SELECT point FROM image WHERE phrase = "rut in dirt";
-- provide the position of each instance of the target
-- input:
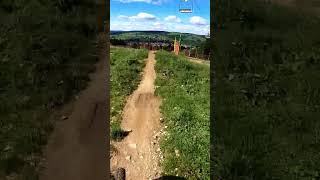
(137, 153)
(77, 147)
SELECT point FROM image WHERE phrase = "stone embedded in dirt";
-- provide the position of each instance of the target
(156, 135)
(158, 149)
(128, 158)
(141, 157)
(134, 146)
(165, 127)
(153, 143)
(64, 117)
(161, 120)
(177, 152)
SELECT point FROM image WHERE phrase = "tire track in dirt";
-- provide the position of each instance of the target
(136, 153)
(77, 147)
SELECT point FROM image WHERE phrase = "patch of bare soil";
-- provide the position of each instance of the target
(199, 61)
(77, 147)
(139, 152)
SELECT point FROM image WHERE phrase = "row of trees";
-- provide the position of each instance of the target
(201, 51)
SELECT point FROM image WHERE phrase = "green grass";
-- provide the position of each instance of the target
(267, 96)
(126, 66)
(184, 89)
(46, 53)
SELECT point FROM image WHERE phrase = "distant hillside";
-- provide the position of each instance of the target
(145, 36)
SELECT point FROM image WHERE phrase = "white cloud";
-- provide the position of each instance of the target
(189, 28)
(197, 20)
(142, 16)
(123, 17)
(156, 2)
(159, 26)
(149, 22)
(172, 19)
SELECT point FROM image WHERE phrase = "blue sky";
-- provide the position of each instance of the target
(162, 15)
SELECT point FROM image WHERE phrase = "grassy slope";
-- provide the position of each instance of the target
(187, 39)
(46, 53)
(125, 68)
(184, 88)
(267, 106)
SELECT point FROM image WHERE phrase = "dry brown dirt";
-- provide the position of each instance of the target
(137, 152)
(199, 61)
(77, 148)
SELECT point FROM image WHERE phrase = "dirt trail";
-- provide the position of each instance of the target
(77, 147)
(137, 153)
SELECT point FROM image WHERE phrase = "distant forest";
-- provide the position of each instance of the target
(199, 43)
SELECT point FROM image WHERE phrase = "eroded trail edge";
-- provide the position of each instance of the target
(139, 152)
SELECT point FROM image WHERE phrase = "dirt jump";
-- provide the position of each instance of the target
(138, 153)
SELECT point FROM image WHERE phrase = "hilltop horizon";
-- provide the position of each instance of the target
(155, 31)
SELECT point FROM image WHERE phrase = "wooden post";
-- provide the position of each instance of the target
(176, 46)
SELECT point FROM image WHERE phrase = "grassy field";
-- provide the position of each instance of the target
(46, 53)
(184, 89)
(126, 66)
(267, 108)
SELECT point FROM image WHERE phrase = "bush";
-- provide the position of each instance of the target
(267, 71)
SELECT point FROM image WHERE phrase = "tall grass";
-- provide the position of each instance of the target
(126, 66)
(47, 49)
(267, 97)
(184, 88)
